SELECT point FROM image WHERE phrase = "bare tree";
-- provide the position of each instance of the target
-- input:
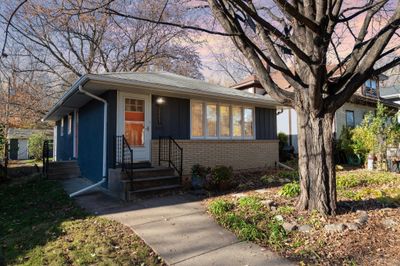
(303, 32)
(67, 39)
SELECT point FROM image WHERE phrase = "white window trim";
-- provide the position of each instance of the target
(230, 137)
(69, 124)
(253, 122)
(62, 127)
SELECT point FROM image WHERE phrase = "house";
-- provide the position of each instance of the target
(18, 141)
(350, 114)
(106, 121)
(391, 93)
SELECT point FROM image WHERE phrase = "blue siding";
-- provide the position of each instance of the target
(173, 119)
(65, 142)
(90, 136)
(90, 140)
(265, 123)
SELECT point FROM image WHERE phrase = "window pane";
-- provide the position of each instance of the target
(134, 122)
(212, 120)
(350, 119)
(248, 122)
(197, 119)
(237, 121)
(224, 121)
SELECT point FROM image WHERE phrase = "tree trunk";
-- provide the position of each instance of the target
(316, 163)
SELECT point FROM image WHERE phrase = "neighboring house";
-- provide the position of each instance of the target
(213, 125)
(391, 93)
(18, 142)
(350, 114)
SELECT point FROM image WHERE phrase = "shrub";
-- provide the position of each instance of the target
(290, 190)
(219, 207)
(266, 179)
(35, 145)
(221, 173)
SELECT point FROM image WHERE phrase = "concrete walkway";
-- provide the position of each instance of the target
(177, 228)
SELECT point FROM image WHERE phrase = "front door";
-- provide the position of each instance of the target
(136, 125)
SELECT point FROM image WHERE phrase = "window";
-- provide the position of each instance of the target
(350, 119)
(248, 122)
(370, 88)
(197, 119)
(69, 124)
(62, 127)
(211, 120)
(134, 122)
(237, 121)
(224, 121)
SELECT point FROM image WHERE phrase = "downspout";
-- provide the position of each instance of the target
(103, 180)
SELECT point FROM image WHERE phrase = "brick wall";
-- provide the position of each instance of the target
(240, 154)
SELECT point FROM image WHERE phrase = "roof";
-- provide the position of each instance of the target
(278, 78)
(390, 92)
(152, 82)
(24, 133)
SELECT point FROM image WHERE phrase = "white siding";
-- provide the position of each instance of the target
(359, 112)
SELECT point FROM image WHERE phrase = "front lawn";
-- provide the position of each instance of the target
(40, 225)
(366, 229)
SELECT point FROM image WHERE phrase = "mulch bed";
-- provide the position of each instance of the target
(372, 244)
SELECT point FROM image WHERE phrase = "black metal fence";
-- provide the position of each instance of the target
(169, 151)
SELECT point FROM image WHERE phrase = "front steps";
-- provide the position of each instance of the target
(142, 182)
(63, 170)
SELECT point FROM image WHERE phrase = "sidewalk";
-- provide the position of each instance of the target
(177, 228)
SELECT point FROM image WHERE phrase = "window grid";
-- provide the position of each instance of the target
(204, 123)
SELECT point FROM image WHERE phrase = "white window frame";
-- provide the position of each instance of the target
(253, 122)
(69, 124)
(205, 124)
(62, 127)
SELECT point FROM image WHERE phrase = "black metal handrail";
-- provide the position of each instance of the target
(45, 157)
(170, 151)
(123, 155)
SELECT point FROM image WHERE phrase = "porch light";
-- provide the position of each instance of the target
(160, 100)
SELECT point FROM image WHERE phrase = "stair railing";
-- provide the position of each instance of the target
(170, 151)
(123, 155)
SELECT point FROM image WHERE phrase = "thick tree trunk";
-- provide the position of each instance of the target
(316, 163)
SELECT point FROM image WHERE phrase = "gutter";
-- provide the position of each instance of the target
(68, 94)
(103, 180)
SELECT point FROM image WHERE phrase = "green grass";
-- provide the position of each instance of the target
(40, 225)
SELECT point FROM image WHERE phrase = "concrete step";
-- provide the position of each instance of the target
(154, 189)
(63, 170)
(155, 178)
(151, 172)
(150, 182)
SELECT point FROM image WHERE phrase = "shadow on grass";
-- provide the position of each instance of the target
(31, 213)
